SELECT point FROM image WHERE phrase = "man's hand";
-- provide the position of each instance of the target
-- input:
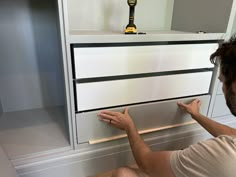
(119, 120)
(193, 108)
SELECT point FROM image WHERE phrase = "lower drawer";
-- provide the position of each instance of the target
(145, 116)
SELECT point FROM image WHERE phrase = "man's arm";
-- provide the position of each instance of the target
(213, 127)
(153, 163)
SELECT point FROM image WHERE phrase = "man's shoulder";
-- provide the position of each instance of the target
(220, 144)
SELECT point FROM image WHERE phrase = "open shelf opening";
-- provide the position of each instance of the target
(189, 16)
(33, 114)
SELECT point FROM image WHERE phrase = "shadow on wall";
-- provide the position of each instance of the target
(45, 25)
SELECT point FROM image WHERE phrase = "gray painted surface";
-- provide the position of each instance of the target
(98, 164)
(6, 168)
(219, 90)
(31, 133)
(78, 166)
(201, 15)
(234, 26)
(30, 66)
(220, 107)
(93, 161)
(1, 110)
(32, 79)
(146, 116)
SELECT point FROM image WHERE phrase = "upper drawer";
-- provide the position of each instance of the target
(123, 60)
(121, 92)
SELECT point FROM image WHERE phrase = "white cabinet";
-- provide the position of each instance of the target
(146, 77)
(52, 88)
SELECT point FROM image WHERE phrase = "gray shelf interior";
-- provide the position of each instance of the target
(31, 132)
(32, 89)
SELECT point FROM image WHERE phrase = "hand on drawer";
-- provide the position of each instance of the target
(122, 121)
(192, 108)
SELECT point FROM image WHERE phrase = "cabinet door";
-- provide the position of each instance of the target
(146, 116)
(96, 95)
(124, 60)
(6, 168)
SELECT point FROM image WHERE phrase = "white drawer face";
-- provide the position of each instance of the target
(220, 107)
(145, 116)
(112, 61)
(120, 92)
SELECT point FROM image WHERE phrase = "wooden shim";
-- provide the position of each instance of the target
(140, 132)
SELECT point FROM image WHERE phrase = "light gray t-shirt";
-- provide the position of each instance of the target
(215, 157)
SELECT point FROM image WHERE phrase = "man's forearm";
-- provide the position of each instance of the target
(139, 148)
(214, 128)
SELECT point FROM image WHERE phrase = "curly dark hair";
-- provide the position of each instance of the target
(226, 56)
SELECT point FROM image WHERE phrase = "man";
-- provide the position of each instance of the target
(215, 157)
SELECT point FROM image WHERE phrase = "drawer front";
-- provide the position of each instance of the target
(121, 92)
(112, 61)
(220, 107)
(145, 116)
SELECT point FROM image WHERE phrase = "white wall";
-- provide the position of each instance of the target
(112, 15)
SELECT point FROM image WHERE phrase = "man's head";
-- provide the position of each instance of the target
(226, 56)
